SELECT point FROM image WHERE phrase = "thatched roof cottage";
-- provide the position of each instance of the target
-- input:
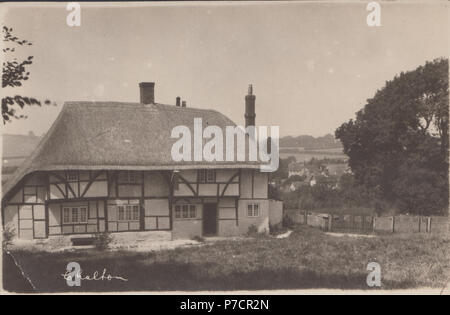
(107, 167)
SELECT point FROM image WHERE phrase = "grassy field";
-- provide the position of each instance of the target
(307, 259)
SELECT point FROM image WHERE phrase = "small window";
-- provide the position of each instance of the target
(253, 210)
(192, 211)
(185, 211)
(206, 176)
(177, 212)
(75, 215)
(72, 176)
(129, 213)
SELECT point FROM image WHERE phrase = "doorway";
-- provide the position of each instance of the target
(210, 219)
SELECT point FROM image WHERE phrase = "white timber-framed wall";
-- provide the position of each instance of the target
(72, 202)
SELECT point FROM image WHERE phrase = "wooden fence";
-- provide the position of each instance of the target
(369, 224)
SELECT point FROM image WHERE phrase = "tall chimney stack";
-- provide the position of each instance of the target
(250, 107)
(178, 102)
(147, 90)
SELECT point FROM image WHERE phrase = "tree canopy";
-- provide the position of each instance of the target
(14, 74)
(398, 143)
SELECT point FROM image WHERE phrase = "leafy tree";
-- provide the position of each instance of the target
(14, 73)
(274, 192)
(398, 143)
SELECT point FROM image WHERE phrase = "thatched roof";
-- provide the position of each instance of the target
(118, 136)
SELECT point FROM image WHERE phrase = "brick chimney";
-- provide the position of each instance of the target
(147, 90)
(250, 107)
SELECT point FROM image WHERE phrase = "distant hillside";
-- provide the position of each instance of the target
(311, 143)
(19, 145)
(16, 148)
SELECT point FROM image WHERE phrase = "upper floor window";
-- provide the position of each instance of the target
(206, 176)
(253, 210)
(75, 215)
(129, 213)
(72, 176)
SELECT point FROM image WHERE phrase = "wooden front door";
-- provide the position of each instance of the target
(210, 219)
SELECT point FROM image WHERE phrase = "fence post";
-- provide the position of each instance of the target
(330, 222)
(306, 217)
(420, 224)
(372, 223)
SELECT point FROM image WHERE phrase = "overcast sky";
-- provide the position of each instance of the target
(312, 65)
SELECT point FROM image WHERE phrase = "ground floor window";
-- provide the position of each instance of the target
(185, 211)
(253, 210)
(74, 215)
(129, 213)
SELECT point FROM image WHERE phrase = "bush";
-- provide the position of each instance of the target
(102, 241)
(288, 222)
(252, 230)
(277, 229)
(9, 232)
(198, 239)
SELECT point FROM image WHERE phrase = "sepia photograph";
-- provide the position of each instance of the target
(225, 151)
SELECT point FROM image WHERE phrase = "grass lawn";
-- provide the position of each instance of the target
(307, 259)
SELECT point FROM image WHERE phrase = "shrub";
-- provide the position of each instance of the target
(9, 232)
(277, 229)
(288, 222)
(198, 239)
(102, 241)
(252, 230)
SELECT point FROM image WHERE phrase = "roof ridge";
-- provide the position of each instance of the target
(115, 103)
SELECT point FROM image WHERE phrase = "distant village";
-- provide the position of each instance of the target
(315, 172)
(311, 172)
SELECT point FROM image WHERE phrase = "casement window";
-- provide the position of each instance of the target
(206, 176)
(72, 176)
(129, 213)
(75, 215)
(185, 211)
(253, 210)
